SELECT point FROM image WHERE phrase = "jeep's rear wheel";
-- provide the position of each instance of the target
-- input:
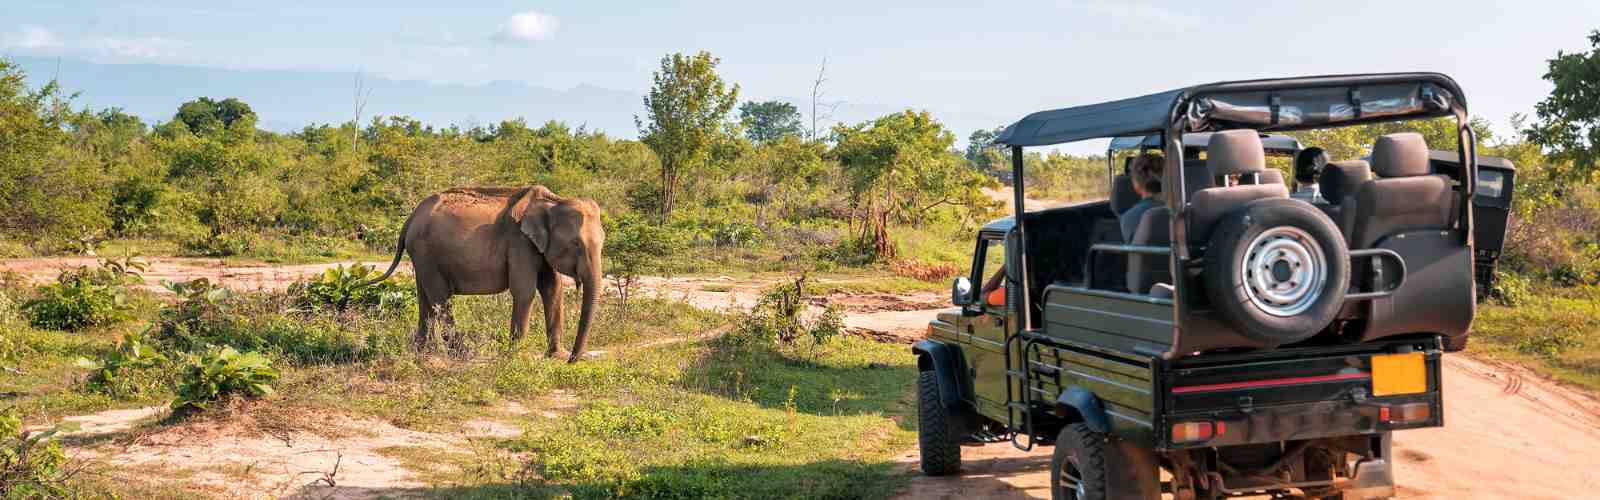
(1078, 465)
(1277, 270)
(937, 437)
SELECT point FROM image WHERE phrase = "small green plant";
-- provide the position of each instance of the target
(32, 464)
(1550, 344)
(202, 308)
(781, 313)
(85, 296)
(119, 373)
(222, 372)
(344, 288)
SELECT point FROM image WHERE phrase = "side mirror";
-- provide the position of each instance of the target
(961, 292)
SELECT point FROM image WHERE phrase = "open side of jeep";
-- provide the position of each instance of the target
(1246, 341)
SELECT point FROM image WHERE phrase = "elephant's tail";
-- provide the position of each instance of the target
(399, 251)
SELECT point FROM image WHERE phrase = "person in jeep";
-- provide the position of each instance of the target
(1146, 172)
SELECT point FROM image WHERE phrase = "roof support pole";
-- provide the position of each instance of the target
(1467, 142)
(1023, 306)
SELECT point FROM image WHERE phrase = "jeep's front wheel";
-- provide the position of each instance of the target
(937, 438)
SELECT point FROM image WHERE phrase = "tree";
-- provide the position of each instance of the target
(1568, 120)
(981, 153)
(902, 165)
(769, 121)
(204, 115)
(685, 115)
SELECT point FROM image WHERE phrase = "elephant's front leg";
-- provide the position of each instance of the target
(550, 292)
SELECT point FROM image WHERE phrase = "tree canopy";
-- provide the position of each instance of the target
(1568, 120)
(685, 117)
(770, 120)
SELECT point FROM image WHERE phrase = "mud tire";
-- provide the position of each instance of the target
(938, 440)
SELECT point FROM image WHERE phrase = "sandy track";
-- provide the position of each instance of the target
(1508, 432)
(237, 276)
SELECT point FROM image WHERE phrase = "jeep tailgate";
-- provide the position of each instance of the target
(1300, 393)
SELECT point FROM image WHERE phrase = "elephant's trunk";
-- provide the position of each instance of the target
(591, 295)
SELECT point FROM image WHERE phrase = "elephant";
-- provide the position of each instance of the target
(485, 240)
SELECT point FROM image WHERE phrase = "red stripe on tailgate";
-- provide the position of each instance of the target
(1270, 383)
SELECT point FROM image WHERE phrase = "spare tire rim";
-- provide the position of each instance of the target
(1284, 271)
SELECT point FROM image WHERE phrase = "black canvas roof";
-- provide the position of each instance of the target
(1267, 105)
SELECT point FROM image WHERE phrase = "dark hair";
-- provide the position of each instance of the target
(1308, 164)
(1146, 172)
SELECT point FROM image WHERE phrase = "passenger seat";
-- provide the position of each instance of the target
(1339, 183)
(1231, 152)
(1404, 197)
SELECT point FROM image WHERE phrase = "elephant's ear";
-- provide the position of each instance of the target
(533, 217)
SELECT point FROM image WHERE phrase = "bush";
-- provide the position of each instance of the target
(200, 312)
(780, 316)
(121, 372)
(32, 465)
(223, 372)
(344, 288)
(84, 297)
(636, 247)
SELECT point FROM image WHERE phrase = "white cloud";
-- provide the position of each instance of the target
(31, 38)
(527, 27)
(154, 47)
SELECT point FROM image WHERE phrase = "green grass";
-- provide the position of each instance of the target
(1553, 330)
(685, 417)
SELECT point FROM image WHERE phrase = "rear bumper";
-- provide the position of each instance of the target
(1323, 419)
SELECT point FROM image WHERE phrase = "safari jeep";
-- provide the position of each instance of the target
(1244, 341)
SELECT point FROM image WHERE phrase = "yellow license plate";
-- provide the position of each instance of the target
(1399, 374)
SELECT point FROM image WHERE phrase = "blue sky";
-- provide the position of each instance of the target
(1005, 58)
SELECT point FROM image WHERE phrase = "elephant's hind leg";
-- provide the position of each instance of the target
(521, 304)
(420, 339)
(550, 293)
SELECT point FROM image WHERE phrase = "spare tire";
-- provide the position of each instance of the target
(1277, 269)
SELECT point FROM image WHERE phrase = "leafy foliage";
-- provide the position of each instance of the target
(684, 117)
(120, 372)
(1569, 118)
(32, 464)
(636, 247)
(222, 372)
(85, 296)
(769, 121)
(344, 288)
(780, 316)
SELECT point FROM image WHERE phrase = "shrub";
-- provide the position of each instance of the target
(225, 244)
(32, 464)
(635, 247)
(780, 316)
(120, 373)
(85, 297)
(344, 288)
(200, 312)
(223, 372)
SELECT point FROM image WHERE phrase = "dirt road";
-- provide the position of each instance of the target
(1508, 432)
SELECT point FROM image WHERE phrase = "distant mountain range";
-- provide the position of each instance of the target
(287, 100)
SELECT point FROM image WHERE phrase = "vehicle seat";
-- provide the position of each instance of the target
(1268, 176)
(1122, 195)
(1404, 197)
(1231, 152)
(1339, 183)
(1145, 271)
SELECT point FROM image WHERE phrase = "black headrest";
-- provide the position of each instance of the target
(1400, 155)
(1342, 178)
(1238, 152)
(1308, 164)
(1122, 195)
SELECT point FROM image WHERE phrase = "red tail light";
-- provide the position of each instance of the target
(1194, 432)
(1406, 413)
